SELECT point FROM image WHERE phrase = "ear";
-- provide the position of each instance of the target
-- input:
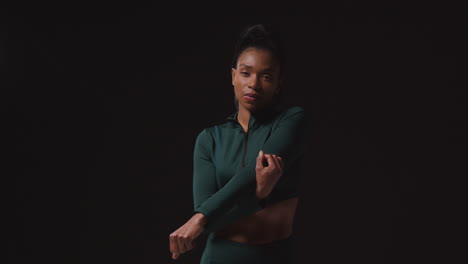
(233, 74)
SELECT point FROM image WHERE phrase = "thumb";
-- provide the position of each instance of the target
(259, 159)
(175, 255)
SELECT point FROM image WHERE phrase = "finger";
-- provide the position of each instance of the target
(260, 158)
(281, 161)
(191, 245)
(170, 244)
(265, 159)
(187, 244)
(174, 247)
(275, 160)
(269, 160)
(175, 255)
(181, 244)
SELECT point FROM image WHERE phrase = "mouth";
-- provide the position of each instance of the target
(250, 97)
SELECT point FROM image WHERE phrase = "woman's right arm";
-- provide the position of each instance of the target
(205, 185)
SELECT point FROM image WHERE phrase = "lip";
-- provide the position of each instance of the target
(251, 97)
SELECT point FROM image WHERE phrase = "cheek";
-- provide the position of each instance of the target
(238, 81)
(237, 87)
(270, 87)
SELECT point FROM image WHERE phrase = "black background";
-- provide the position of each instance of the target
(104, 103)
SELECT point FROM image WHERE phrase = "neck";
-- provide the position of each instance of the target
(243, 116)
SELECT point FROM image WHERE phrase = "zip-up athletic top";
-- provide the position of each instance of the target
(224, 160)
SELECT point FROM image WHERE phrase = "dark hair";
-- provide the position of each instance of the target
(262, 37)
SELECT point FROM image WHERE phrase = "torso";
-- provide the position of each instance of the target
(275, 222)
(272, 223)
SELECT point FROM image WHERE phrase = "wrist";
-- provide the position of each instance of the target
(260, 193)
(200, 219)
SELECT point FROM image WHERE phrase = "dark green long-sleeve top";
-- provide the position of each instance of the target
(224, 178)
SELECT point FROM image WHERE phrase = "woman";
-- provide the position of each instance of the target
(246, 169)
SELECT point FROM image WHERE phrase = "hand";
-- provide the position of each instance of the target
(267, 175)
(181, 240)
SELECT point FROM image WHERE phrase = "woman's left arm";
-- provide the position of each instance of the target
(288, 140)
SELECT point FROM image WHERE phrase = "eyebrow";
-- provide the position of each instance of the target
(245, 65)
(264, 70)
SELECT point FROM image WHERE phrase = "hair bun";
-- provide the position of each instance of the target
(260, 36)
(254, 34)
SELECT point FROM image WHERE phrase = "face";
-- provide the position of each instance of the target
(256, 78)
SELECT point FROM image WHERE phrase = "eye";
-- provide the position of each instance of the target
(244, 73)
(267, 77)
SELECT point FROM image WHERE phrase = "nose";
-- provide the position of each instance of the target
(253, 82)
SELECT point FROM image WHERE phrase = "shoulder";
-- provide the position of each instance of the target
(292, 117)
(204, 137)
(291, 112)
(219, 126)
(294, 109)
(212, 132)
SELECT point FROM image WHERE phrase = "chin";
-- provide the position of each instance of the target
(252, 106)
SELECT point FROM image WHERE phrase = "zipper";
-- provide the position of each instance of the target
(246, 136)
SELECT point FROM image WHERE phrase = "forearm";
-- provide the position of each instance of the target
(261, 193)
(244, 206)
(241, 186)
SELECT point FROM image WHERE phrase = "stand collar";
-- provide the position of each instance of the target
(259, 116)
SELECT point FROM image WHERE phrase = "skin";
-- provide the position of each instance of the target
(257, 72)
